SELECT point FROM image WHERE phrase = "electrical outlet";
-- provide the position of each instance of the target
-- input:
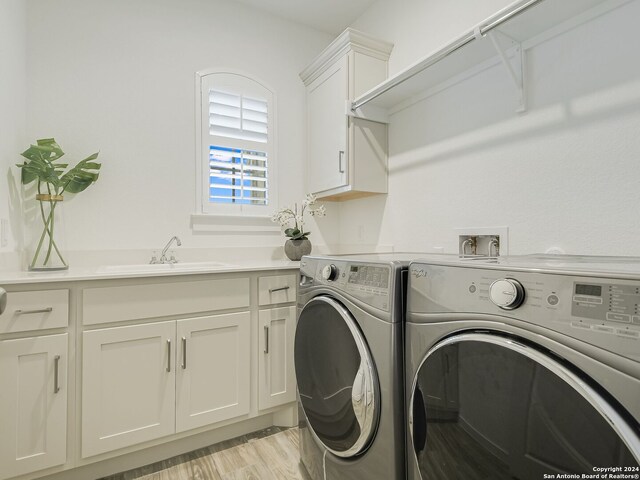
(4, 232)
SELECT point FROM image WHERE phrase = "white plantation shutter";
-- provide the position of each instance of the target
(236, 116)
(237, 176)
(236, 144)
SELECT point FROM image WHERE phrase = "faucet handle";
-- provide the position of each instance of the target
(154, 258)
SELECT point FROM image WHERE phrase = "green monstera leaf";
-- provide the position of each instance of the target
(43, 164)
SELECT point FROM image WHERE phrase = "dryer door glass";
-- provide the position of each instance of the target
(485, 406)
(337, 382)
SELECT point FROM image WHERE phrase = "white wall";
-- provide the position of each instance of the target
(13, 43)
(118, 76)
(564, 174)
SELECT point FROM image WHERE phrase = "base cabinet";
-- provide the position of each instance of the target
(213, 369)
(276, 372)
(128, 386)
(33, 404)
(144, 382)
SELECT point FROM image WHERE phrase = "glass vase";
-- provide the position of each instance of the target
(47, 254)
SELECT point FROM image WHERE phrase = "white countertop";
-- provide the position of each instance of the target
(109, 272)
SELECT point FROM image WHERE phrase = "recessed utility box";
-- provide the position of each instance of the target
(483, 241)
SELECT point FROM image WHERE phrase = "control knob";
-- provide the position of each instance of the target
(506, 293)
(330, 272)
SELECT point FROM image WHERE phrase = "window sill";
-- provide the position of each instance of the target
(233, 224)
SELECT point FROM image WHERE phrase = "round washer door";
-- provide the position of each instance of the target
(487, 406)
(336, 376)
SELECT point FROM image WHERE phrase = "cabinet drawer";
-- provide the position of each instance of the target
(117, 304)
(35, 310)
(278, 289)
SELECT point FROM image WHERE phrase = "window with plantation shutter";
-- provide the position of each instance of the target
(236, 145)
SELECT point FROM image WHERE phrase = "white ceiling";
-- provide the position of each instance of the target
(331, 16)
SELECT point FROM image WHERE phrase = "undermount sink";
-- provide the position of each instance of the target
(162, 267)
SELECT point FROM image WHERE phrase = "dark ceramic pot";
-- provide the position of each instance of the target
(295, 249)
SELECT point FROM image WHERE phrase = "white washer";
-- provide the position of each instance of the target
(522, 367)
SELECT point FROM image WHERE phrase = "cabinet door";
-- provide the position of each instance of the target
(277, 376)
(327, 129)
(128, 386)
(33, 404)
(213, 369)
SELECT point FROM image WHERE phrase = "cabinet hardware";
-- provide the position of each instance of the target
(340, 155)
(168, 355)
(184, 353)
(56, 367)
(271, 290)
(40, 310)
(266, 339)
(3, 300)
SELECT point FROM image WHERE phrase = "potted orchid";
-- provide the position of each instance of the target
(298, 243)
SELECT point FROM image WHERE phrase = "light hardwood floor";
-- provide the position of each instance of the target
(270, 454)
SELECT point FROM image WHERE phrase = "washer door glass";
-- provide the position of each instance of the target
(485, 406)
(337, 382)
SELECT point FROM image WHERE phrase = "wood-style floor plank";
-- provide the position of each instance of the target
(270, 454)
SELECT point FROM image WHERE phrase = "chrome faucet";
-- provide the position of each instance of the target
(163, 255)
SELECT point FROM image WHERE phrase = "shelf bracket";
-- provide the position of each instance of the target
(367, 112)
(513, 60)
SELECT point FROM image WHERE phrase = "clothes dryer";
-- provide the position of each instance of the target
(523, 367)
(349, 366)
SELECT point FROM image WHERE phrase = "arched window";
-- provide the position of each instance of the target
(235, 148)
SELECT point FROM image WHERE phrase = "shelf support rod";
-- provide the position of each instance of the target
(516, 74)
(367, 112)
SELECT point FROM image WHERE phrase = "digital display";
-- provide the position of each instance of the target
(354, 268)
(593, 290)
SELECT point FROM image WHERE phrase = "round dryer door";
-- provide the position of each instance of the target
(488, 406)
(337, 382)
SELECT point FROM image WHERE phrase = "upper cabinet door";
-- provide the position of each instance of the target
(128, 386)
(33, 404)
(213, 369)
(327, 128)
(346, 156)
(277, 375)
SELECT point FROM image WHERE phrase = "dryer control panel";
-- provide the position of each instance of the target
(369, 283)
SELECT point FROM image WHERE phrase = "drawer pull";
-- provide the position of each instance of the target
(39, 310)
(266, 339)
(279, 289)
(3, 300)
(56, 368)
(184, 353)
(168, 355)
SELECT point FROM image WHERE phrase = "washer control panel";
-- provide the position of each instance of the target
(601, 311)
(606, 301)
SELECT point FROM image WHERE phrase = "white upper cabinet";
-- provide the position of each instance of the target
(346, 156)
